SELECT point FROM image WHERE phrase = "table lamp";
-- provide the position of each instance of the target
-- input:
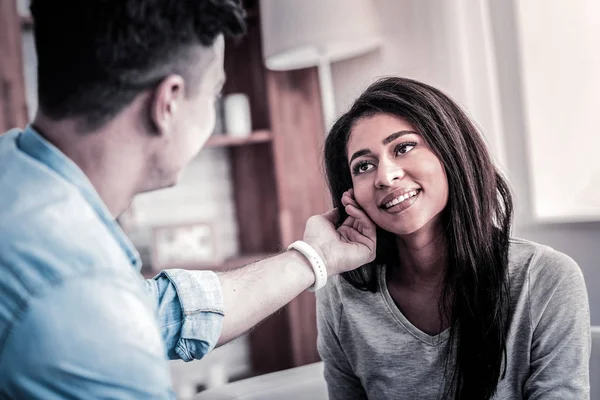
(316, 33)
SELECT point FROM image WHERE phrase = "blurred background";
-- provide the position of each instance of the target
(527, 71)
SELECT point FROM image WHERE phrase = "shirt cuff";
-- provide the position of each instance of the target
(201, 301)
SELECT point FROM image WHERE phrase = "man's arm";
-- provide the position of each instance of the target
(200, 309)
(254, 292)
(85, 338)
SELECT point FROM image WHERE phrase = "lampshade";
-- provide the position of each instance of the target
(301, 33)
(315, 33)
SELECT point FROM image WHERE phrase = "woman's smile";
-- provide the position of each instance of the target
(401, 200)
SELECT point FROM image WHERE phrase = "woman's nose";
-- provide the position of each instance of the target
(388, 172)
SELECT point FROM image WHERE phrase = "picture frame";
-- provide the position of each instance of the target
(188, 246)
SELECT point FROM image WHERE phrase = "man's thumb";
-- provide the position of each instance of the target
(332, 215)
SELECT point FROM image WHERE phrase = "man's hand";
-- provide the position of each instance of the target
(348, 247)
(252, 293)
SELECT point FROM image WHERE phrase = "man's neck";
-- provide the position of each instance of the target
(105, 156)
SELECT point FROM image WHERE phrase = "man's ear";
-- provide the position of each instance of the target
(166, 102)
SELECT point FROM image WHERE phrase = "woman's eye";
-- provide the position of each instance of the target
(362, 167)
(404, 148)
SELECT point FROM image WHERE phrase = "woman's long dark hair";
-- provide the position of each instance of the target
(477, 221)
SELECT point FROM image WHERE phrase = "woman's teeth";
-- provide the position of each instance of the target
(402, 198)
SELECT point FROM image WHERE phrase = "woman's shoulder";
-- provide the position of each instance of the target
(550, 282)
(540, 263)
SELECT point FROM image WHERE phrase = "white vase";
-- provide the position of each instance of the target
(236, 108)
(219, 118)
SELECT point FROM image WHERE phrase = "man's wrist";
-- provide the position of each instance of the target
(321, 253)
(305, 274)
(316, 261)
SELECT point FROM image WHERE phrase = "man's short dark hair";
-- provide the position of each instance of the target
(96, 56)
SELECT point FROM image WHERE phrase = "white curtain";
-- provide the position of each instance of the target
(560, 69)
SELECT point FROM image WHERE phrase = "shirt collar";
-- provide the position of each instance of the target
(32, 143)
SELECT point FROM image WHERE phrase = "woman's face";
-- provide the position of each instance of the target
(397, 179)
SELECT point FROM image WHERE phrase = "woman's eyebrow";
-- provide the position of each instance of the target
(387, 140)
(396, 135)
(358, 154)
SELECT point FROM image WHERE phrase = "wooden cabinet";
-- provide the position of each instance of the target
(276, 172)
(13, 108)
(278, 184)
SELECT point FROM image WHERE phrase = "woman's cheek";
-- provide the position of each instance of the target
(364, 198)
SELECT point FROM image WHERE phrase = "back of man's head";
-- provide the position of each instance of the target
(96, 56)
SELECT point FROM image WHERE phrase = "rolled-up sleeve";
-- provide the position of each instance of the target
(190, 311)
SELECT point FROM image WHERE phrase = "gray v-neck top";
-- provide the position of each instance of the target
(371, 350)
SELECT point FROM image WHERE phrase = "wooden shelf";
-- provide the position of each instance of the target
(224, 140)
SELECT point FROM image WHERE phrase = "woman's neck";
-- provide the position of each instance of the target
(423, 259)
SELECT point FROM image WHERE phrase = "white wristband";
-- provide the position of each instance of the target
(317, 263)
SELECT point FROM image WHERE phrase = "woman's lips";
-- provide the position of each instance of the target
(406, 201)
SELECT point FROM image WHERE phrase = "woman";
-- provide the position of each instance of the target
(452, 307)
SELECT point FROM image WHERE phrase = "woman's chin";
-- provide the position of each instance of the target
(416, 228)
(405, 231)
(398, 226)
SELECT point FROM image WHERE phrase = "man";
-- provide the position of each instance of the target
(126, 92)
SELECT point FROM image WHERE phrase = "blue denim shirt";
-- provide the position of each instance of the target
(76, 318)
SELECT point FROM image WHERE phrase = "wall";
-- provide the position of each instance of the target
(445, 43)
(423, 41)
(578, 240)
(204, 194)
(415, 45)
(560, 77)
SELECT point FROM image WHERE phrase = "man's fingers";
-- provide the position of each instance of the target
(349, 200)
(368, 226)
(349, 221)
(355, 212)
(351, 235)
(332, 215)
